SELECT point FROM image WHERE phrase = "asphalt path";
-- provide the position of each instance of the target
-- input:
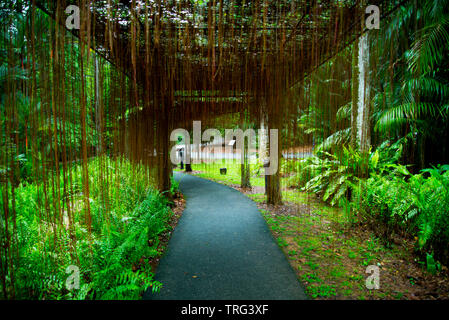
(222, 249)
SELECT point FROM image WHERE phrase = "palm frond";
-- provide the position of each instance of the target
(344, 112)
(336, 139)
(426, 87)
(428, 49)
(403, 113)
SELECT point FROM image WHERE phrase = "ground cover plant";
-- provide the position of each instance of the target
(114, 259)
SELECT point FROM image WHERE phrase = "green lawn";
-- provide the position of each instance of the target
(212, 172)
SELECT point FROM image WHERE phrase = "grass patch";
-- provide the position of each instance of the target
(211, 171)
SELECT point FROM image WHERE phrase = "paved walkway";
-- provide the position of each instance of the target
(223, 249)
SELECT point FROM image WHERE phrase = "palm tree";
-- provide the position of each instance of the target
(415, 100)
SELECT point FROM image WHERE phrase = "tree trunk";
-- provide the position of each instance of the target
(244, 165)
(165, 166)
(274, 195)
(273, 181)
(245, 171)
(360, 113)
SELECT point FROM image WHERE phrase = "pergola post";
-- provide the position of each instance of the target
(273, 187)
(273, 181)
(245, 172)
(165, 166)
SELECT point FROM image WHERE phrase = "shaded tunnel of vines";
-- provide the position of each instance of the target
(85, 110)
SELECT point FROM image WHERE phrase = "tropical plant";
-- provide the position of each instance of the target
(395, 201)
(415, 99)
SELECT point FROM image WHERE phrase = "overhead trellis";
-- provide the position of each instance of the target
(170, 50)
(211, 45)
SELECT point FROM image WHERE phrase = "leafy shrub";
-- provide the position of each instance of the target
(332, 176)
(384, 200)
(376, 190)
(431, 197)
(113, 259)
(174, 188)
(413, 204)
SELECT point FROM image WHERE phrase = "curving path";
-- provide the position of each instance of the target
(223, 249)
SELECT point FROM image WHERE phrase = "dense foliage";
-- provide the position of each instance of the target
(401, 184)
(113, 259)
(67, 197)
(396, 201)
